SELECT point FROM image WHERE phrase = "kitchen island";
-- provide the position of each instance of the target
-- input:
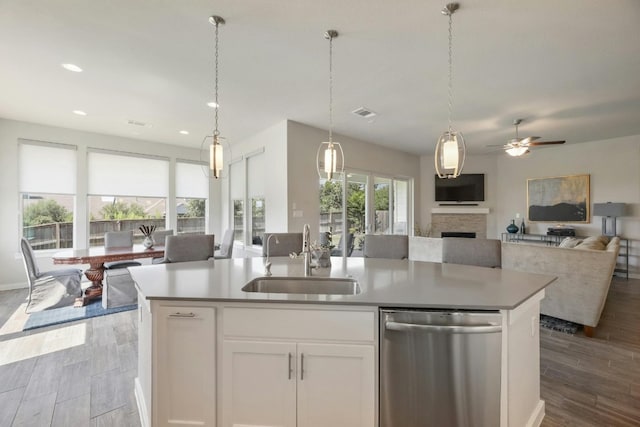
(213, 354)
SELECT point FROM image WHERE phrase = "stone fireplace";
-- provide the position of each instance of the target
(459, 220)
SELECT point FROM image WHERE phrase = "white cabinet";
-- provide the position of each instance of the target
(270, 381)
(335, 385)
(258, 384)
(184, 379)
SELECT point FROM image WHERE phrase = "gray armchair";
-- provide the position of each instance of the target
(188, 247)
(286, 244)
(226, 248)
(479, 252)
(119, 239)
(49, 289)
(391, 246)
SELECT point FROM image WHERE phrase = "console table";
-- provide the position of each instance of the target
(549, 240)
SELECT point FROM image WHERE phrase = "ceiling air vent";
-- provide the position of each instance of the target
(364, 112)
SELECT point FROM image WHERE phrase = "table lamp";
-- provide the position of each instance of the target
(608, 210)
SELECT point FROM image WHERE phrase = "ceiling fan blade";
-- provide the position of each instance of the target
(496, 145)
(533, 144)
(527, 140)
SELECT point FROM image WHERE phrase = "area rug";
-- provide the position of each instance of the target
(558, 324)
(70, 314)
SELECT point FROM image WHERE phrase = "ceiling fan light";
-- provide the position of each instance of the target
(516, 151)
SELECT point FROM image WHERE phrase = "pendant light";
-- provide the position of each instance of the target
(216, 160)
(330, 158)
(450, 149)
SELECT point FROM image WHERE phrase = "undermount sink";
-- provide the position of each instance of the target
(303, 285)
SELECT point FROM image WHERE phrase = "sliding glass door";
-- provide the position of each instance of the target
(371, 204)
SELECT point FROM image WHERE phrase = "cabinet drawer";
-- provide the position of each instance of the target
(333, 325)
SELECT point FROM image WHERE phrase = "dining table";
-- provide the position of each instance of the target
(96, 257)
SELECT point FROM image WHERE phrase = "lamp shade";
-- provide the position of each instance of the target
(608, 209)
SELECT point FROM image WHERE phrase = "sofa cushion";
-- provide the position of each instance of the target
(569, 242)
(594, 242)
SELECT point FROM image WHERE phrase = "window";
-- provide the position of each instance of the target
(192, 191)
(381, 191)
(125, 192)
(236, 190)
(255, 190)
(400, 206)
(47, 185)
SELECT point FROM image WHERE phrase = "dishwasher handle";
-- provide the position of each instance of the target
(451, 329)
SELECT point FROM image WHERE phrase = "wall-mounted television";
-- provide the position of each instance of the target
(468, 187)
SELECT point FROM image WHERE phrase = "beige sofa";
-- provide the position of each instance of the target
(583, 276)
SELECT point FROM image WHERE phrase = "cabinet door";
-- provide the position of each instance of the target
(336, 385)
(258, 384)
(185, 380)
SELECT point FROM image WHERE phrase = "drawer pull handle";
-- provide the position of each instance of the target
(301, 366)
(178, 314)
(290, 367)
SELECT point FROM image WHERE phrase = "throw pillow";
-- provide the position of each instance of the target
(569, 242)
(593, 244)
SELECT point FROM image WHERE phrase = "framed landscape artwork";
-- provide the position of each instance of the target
(558, 199)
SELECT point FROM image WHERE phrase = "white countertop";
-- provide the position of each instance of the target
(384, 283)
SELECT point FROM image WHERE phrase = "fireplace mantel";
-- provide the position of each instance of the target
(460, 210)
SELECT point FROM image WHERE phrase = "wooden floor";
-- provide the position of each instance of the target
(81, 373)
(75, 374)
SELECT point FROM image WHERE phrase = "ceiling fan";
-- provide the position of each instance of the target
(520, 146)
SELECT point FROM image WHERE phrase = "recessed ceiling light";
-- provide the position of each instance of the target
(79, 112)
(184, 132)
(213, 104)
(72, 67)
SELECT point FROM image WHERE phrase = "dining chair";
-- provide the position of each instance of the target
(391, 246)
(188, 247)
(159, 237)
(337, 251)
(479, 252)
(226, 248)
(119, 239)
(282, 244)
(49, 289)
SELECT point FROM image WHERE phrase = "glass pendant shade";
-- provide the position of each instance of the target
(216, 160)
(450, 154)
(331, 157)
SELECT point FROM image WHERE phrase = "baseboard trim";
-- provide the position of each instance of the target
(12, 286)
(140, 402)
(537, 415)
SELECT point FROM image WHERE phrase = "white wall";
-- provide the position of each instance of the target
(274, 142)
(302, 147)
(613, 166)
(11, 268)
(473, 164)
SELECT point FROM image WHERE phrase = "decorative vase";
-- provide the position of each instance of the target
(512, 228)
(523, 229)
(148, 242)
(321, 257)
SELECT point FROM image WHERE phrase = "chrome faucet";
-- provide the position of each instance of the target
(267, 261)
(306, 249)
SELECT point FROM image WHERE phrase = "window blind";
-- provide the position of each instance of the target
(47, 167)
(191, 181)
(113, 174)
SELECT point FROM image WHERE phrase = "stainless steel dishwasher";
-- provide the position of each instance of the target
(440, 368)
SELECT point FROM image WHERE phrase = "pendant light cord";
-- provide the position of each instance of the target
(450, 69)
(330, 89)
(215, 131)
